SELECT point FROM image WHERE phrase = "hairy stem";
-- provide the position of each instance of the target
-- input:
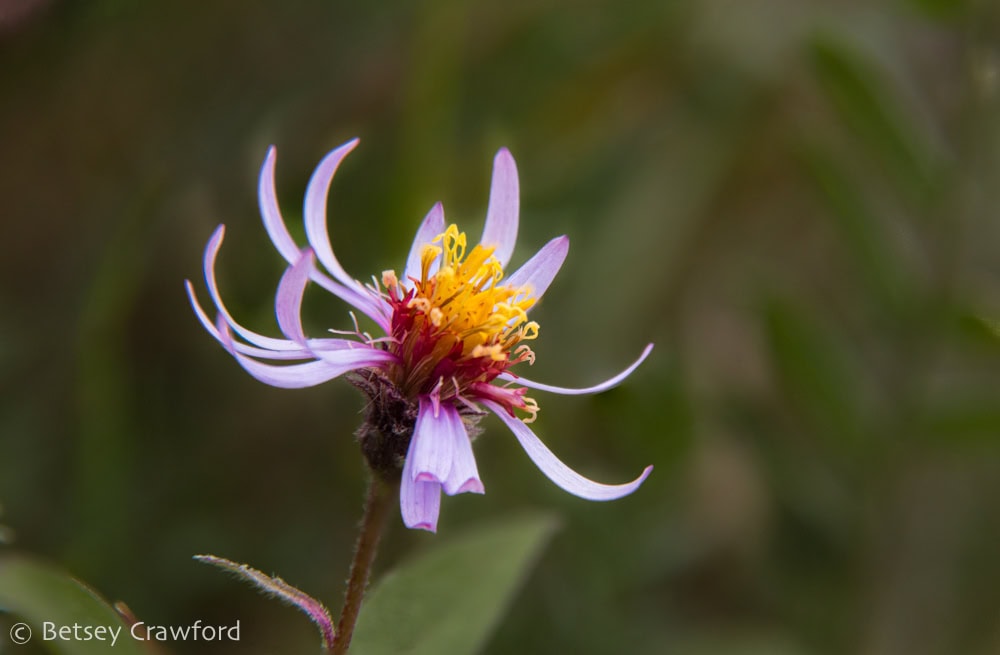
(377, 506)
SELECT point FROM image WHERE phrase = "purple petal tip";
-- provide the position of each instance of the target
(471, 486)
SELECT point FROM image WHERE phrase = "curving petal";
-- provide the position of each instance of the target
(270, 212)
(353, 293)
(539, 271)
(211, 253)
(562, 475)
(569, 391)
(315, 213)
(432, 225)
(253, 351)
(288, 300)
(464, 475)
(431, 446)
(310, 374)
(500, 230)
(419, 502)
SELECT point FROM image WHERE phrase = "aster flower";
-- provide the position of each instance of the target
(453, 324)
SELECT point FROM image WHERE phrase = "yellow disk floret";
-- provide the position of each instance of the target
(464, 297)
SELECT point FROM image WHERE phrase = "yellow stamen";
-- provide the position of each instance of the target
(532, 408)
(465, 298)
(494, 352)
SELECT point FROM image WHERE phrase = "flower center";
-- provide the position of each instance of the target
(457, 328)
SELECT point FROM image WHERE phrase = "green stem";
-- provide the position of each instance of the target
(377, 505)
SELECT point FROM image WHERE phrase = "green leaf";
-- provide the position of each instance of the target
(992, 326)
(448, 599)
(943, 9)
(36, 592)
(862, 232)
(863, 99)
(813, 367)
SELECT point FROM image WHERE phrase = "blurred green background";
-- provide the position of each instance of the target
(796, 201)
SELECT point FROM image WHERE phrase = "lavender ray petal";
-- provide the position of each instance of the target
(431, 447)
(368, 355)
(353, 293)
(539, 271)
(315, 213)
(464, 475)
(562, 475)
(298, 376)
(500, 229)
(432, 225)
(271, 213)
(569, 391)
(211, 253)
(360, 299)
(288, 300)
(419, 502)
(243, 348)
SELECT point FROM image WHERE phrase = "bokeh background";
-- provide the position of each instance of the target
(795, 200)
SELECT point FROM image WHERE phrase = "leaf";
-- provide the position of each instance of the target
(449, 599)
(277, 588)
(991, 325)
(862, 232)
(814, 370)
(943, 9)
(862, 99)
(36, 592)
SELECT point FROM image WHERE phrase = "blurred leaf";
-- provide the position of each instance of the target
(859, 95)
(449, 599)
(37, 592)
(965, 419)
(942, 8)
(737, 643)
(813, 370)
(989, 325)
(860, 229)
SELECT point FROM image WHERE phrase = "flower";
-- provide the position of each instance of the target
(453, 326)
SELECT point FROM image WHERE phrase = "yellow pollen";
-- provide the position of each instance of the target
(427, 257)
(389, 279)
(465, 297)
(494, 352)
(422, 304)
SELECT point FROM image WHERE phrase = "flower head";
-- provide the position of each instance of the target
(454, 325)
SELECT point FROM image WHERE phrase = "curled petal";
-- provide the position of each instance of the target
(211, 253)
(419, 502)
(297, 376)
(603, 386)
(315, 212)
(500, 229)
(288, 308)
(431, 447)
(432, 225)
(270, 212)
(539, 271)
(353, 293)
(263, 346)
(562, 475)
(253, 351)
(464, 475)
(288, 300)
